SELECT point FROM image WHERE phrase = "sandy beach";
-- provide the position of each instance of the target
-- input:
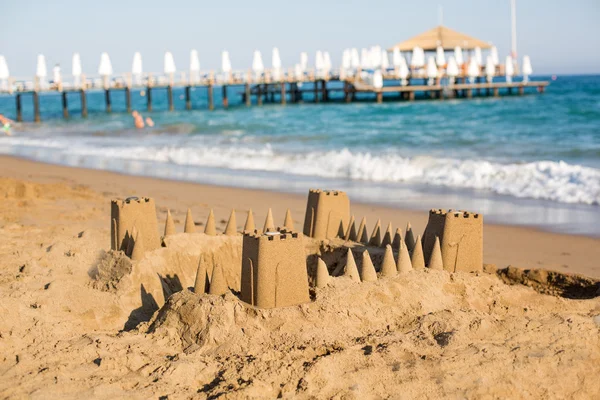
(74, 323)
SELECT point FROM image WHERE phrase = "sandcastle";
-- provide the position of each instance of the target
(133, 212)
(461, 237)
(327, 214)
(274, 269)
(273, 265)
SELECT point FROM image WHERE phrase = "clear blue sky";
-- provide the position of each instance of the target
(559, 36)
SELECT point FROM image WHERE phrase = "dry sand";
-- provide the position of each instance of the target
(78, 321)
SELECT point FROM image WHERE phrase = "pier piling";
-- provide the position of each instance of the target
(83, 99)
(19, 108)
(36, 107)
(128, 99)
(283, 99)
(259, 99)
(225, 99)
(248, 96)
(316, 91)
(188, 98)
(107, 100)
(149, 98)
(211, 105)
(65, 105)
(170, 97)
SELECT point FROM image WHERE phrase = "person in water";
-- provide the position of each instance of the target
(6, 125)
(138, 120)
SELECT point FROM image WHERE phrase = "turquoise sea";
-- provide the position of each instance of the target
(531, 160)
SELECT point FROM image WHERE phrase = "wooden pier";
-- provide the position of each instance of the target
(265, 89)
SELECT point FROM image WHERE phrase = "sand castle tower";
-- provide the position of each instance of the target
(461, 237)
(129, 213)
(327, 214)
(274, 269)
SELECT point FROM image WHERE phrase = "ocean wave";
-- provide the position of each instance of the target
(557, 181)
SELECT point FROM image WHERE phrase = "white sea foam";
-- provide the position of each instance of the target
(558, 181)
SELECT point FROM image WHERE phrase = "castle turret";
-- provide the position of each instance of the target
(138, 212)
(461, 237)
(274, 269)
(327, 214)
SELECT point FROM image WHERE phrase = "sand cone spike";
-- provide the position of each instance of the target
(269, 224)
(218, 283)
(288, 222)
(387, 237)
(376, 235)
(137, 253)
(169, 225)
(210, 229)
(409, 238)
(417, 260)
(201, 283)
(351, 232)
(435, 260)
(388, 266)
(190, 227)
(231, 228)
(404, 264)
(249, 226)
(367, 270)
(351, 269)
(397, 240)
(323, 277)
(361, 235)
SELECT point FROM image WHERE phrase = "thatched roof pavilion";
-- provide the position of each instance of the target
(441, 36)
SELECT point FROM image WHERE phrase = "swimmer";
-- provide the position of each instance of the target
(149, 122)
(138, 121)
(6, 124)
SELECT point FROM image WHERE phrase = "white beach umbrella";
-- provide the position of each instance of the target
(105, 69)
(276, 63)
(4, 73)
(257, 63)
(169, 63)
(364, 58)
(452, 70)
(490, 68)
(194, 66)
(403, 72)
(432, 71)
(377, 79)
(473, 70)
(194, 61)
(304, 61)
(346, 61)
(298, 72)
(509, 69)
(418, 58)
(375, 56)
(494, 54)
(396, 56)
(477, 56)
(327, 62)
(354, 58)
(41, 71)
(440, 56)
(319, 62)
(526, 68)
(56, 76)
(458, 56)
(225, 62)
(136, 68)
(76, 70)
(385, 61)
(275, 59)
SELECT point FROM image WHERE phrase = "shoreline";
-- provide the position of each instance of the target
(504, 245)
